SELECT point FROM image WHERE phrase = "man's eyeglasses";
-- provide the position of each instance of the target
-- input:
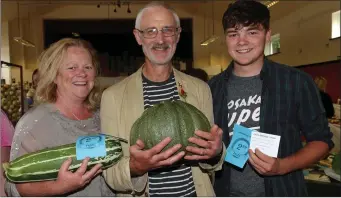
(166, 31)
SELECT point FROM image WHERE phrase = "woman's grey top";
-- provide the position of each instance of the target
(43, 127)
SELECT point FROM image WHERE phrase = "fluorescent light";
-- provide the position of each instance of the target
(336, 24)
(211, 39)
(23, 42)
(270, 3)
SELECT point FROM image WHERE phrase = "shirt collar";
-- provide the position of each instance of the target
(263, 74)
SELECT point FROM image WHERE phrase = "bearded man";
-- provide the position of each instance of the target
(152, 172)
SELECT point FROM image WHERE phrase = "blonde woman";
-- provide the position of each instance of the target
(67, 107)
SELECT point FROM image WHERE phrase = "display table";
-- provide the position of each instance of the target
(319, 184)
(323, 189)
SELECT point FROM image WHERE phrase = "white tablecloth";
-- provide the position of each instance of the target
(337, 110)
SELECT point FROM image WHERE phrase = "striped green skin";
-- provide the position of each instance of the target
(44, 164)
(175, 119)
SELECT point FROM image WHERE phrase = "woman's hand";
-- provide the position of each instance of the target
(69, 181)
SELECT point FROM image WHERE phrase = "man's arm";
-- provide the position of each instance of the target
(216, 163)
(312, 121)
(118, 176)
(266, 165)
(311, 153)
(129, 175)
(314, 126)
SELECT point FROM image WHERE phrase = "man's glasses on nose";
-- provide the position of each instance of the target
(166, 31)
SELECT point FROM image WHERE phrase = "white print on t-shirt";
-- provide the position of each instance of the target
(244, 102)
(240, 111)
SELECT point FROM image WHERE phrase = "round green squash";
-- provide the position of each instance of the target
(175, 119)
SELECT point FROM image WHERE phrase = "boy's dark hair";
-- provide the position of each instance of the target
(245, 13)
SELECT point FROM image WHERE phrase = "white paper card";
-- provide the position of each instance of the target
(266, 143)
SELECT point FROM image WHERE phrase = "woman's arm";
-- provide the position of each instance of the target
(67, 182)
(7, 131)
(5, 151)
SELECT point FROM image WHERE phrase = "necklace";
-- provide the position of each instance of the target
(70, 110)
(82, 125)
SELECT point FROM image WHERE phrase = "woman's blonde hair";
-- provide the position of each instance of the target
(321, 83)
(49, 63)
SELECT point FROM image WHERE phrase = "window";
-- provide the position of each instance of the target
(336, 24)
(273, 46)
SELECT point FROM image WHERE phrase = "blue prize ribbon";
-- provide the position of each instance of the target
(237, 151)
(90, 146)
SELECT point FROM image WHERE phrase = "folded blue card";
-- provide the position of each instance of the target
(90, 146)
(237, 151)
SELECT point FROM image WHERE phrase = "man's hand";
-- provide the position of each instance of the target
(210, 144)
(264, 164)
(142, 161)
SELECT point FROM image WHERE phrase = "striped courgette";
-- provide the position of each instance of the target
(44, 164)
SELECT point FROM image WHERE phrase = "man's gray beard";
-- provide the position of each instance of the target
(144, 49)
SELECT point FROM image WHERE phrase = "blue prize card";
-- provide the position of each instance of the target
(237, 152)
(90, 146)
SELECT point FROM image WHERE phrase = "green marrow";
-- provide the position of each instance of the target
(44, 164)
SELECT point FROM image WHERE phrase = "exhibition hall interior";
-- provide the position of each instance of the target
(304, 35)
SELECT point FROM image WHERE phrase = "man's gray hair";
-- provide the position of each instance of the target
(152, 5)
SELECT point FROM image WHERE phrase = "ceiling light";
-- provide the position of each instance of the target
(211, 39)
(19, 38)
(270, 3)
(24, 42)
